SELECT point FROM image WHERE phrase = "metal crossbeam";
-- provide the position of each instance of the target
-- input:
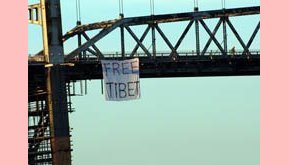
(212, 36)
(237, 36)
(183, 35)
(253, 36)
(98, 52)
(174, 53)
(138, 41)
(94, 39)
(210, 39)
(141, 40)
(91, 51)
(81, 28)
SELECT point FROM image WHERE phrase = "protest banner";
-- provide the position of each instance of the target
(121, 79)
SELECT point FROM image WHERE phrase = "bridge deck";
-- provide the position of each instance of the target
(160, 67)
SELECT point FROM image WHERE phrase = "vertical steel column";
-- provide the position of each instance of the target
(44, 31)
(196, 9)
(225, 36)
(122, 39)
(153, 40)
(56, 87)
(58, 116)
(54, 31)
(79, 40)
(122, 42)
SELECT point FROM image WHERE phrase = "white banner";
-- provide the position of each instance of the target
(121, 79)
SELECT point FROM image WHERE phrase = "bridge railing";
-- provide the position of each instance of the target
(159, 55)
(185, 53)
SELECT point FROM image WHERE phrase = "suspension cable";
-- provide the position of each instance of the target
(152, 7)
(223, 4)
(76, 9)
(78, 14)
(196, 8)
(196, 3)
(79, 11)
(120, 6)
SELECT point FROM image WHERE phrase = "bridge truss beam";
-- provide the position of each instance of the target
(153, 23)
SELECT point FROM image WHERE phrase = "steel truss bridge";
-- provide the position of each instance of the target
(52, 75)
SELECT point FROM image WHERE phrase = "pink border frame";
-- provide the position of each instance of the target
(14, 82)
(274, 131)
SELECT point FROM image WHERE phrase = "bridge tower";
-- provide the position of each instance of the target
(54, 107)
